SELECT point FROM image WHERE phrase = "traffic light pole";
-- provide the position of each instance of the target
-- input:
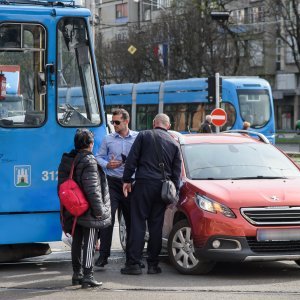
(217, 76)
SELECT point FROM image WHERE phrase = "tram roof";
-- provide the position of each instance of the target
(23, 8)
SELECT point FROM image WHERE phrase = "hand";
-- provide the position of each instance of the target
(113, 163)
(126, 189)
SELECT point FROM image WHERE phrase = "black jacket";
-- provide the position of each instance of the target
(206, 127)
(92, 181)
(143, 159)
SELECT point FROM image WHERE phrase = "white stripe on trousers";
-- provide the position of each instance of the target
(90, 249)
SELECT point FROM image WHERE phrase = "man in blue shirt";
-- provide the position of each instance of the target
(111, 157)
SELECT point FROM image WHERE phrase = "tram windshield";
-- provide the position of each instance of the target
(78, 103)
(255, 107)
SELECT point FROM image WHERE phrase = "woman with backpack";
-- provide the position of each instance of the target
(92, 181)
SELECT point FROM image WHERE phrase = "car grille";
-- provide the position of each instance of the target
(273, 246)
(281, 215)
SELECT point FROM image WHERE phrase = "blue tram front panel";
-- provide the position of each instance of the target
(51, 88)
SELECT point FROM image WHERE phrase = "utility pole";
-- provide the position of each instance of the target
(217, 76)
(220, 16)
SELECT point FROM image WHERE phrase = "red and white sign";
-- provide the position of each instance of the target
(218, 117)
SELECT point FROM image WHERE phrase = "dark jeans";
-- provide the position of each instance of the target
(146, 205)
(118, 201)
(84, 241)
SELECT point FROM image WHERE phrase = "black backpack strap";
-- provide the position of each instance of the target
(158, 151)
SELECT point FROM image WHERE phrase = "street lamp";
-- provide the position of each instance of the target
(160, 6)
(220, 15)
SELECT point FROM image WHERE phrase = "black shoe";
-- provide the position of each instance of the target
(89, 281)
(101, 261)
(154, 270)
(142, 265)
(132, 270)
(77, 278)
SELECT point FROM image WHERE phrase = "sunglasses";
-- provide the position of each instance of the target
(115, 122)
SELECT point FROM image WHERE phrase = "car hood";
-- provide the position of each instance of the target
(251, 193)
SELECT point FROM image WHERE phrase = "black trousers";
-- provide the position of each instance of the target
(83, 248)
(146, 205)
(117, 201)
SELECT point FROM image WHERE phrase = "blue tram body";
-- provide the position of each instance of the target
(48, 45)
(186, 102)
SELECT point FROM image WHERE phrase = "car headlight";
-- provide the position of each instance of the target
(214, 207)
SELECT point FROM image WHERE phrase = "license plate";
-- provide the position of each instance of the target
(278, 235)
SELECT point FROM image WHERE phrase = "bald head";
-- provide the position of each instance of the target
(161, 120)
(208, 118)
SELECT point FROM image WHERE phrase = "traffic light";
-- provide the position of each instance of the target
(211, 89)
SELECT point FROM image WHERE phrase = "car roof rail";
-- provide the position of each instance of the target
(249, 132)
(177, 135)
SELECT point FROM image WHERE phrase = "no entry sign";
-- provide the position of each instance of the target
(219, 117)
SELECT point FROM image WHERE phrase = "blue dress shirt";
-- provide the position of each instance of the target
(115, 145)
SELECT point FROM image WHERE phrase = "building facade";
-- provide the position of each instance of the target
(270, 57)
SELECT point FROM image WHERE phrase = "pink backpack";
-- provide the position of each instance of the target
(72, 198)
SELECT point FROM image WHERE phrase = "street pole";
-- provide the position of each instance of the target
(217, 76)
(139, 14)
(168, 54)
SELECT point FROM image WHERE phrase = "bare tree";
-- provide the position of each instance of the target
(287, 17)
(196, 45)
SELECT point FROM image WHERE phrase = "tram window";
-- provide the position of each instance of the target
(22, 58)
(255, 106)
(187, 116)
(145, 115)
(77, 99)
(231, 116)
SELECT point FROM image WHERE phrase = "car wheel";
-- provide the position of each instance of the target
(181, 251)
(122, 231)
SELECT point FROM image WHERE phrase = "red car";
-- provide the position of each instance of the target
(239, 201)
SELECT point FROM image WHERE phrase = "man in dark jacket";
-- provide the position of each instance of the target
(206, 126)
(146, 202)
(92, 181)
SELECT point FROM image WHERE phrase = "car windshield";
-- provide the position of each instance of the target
(236, 161)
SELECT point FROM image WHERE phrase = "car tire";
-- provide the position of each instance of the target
(122, 231)
(181, 251)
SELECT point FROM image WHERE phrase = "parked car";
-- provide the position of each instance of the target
(239, 201)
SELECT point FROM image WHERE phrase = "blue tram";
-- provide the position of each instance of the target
(186, 101)
(49, 87)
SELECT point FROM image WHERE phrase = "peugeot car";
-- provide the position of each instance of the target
(239, 201)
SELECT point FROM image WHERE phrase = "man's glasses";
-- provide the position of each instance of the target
(115, 122)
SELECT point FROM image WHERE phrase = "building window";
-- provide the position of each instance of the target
(256, 14)
(278, 53)
(121, 11)
(256, 53)
(238, 16)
